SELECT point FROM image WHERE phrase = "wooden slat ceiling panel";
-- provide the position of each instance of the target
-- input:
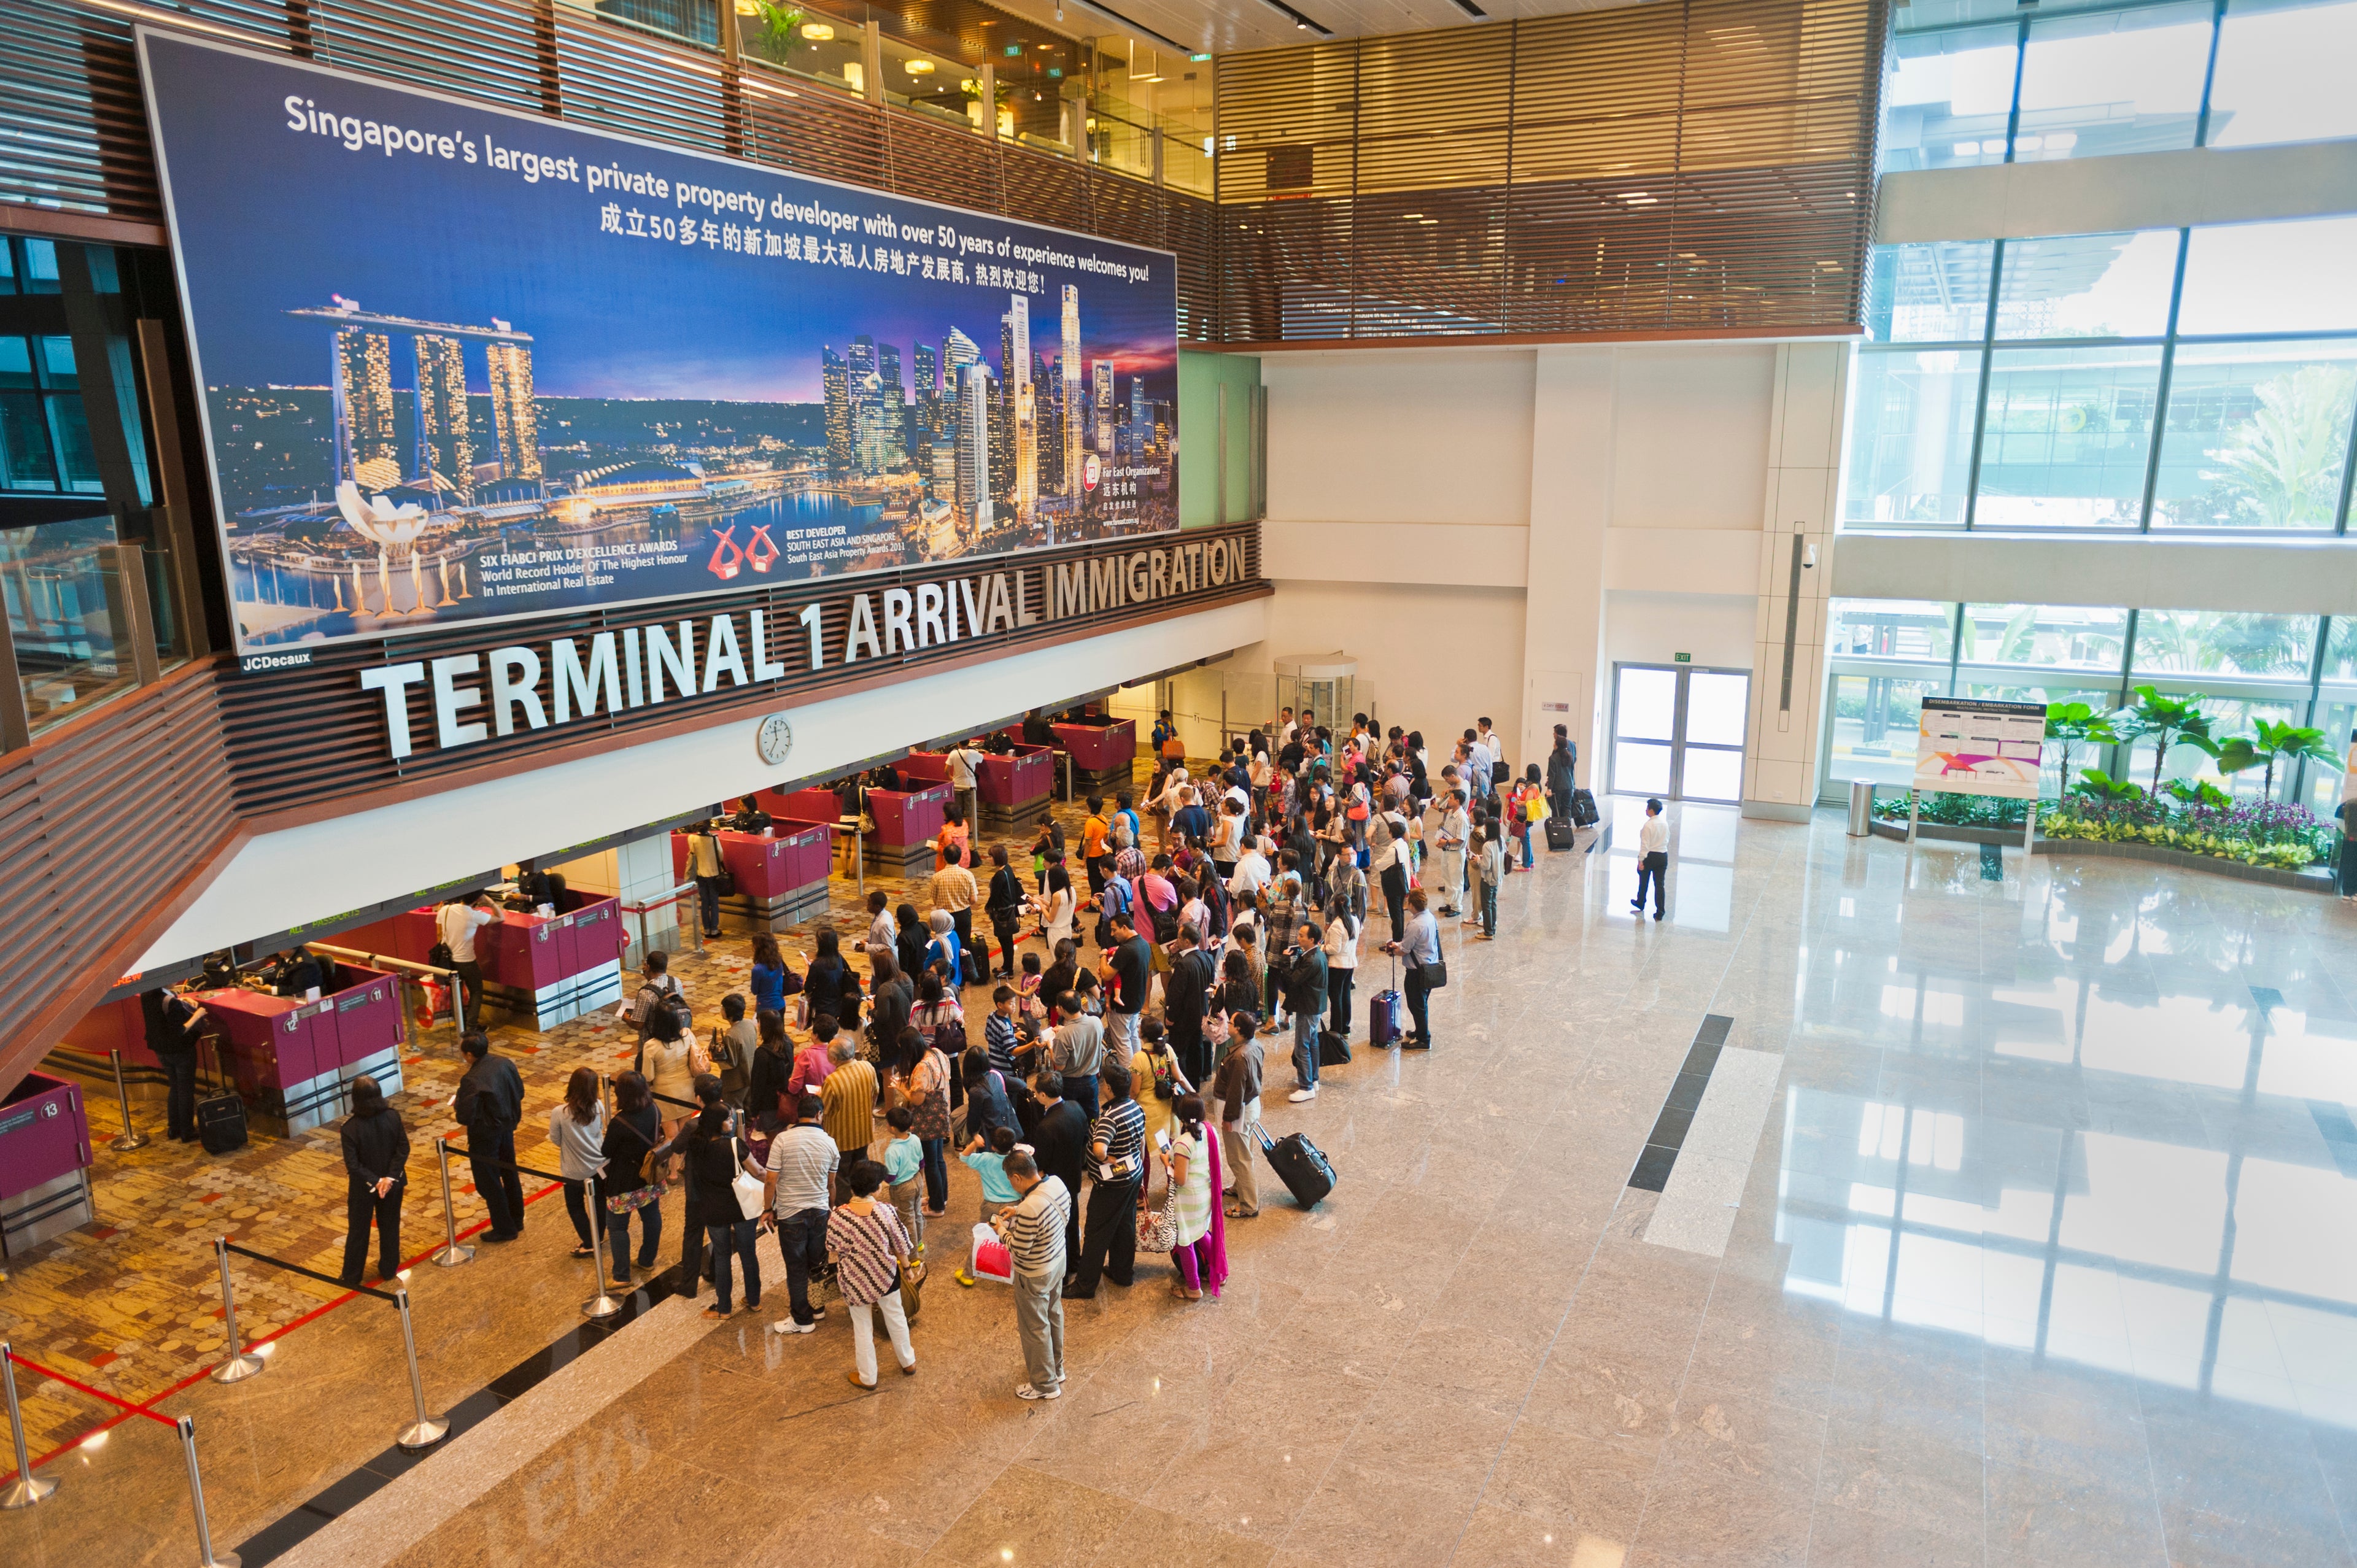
(1672, 168)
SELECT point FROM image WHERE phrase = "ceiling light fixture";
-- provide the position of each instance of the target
(1301, 22)
(1141, 30)
(920, 68)
(818, 32)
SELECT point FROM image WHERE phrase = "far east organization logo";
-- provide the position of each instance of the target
(1089, 472)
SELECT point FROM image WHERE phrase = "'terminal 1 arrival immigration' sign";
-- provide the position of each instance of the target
(529, 686)
(463, 365)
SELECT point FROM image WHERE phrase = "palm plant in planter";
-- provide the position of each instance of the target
(2166, 722)
(2074, 725)
(2269, 744)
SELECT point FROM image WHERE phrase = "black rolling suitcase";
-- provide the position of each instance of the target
(1299, 1165)
(1560, 833)
(1583, 809)
(221, 1116)
(1333, 1049)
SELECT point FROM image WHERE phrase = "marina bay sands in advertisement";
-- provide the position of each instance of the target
(461, 365)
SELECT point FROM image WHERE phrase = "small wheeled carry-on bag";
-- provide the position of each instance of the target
(1383, 1012)
(1333, 1049)
(1298, 1164)
(221, 1116)
(1560, 833)
(1583, 809)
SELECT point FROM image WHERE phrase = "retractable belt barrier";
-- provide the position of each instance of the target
(602, 1304)
(28, 1488)
(424, 1433)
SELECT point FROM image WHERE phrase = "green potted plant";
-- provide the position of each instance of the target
(2166, 722)
(2269, 744)
(2074, 725)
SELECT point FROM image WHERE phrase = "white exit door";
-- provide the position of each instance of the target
(1678, 731)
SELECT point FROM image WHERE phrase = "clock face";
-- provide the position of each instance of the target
(775, 737)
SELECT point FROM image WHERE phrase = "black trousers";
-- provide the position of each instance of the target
(1109, 1248)
(1417, 998)
(1006, 931)
(690, 1242)
(1337, 997)
(1655, 867)
(962, 922)
(470, 980)
(490, 1158)
(179, 1091)
(1395, 897)
(362, 1205)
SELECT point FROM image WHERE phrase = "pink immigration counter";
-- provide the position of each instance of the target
(539, 970)
(780, 875)
(43, 1163)
(293, 1062)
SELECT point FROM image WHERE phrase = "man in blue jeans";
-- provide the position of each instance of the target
(1305, 998)
(803, 1160)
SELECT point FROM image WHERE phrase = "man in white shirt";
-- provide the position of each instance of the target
(1448, 827)
(1652, 859)
(456, 923)
(965, 757)
(1252, 870)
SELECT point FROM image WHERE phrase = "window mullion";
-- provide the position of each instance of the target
(2160, 387)
(2210, 72)
(1980, 399)
(2013, 110)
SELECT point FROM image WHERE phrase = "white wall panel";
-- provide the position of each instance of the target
(2279, 575)
(2129, 191)
(1691, 427)
(1440, 436)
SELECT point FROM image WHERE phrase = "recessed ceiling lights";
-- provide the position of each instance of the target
(920, 68)
(818, 32)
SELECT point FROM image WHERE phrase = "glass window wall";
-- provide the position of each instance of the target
(1885, 656)
(2283, 72)
(2070, 82)
(2021, 383)
(2119, 82)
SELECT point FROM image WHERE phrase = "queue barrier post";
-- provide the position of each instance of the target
(602, 1304)
(27, 1488)
(427, 1430)
(205, 1554)
(452, 1254)
(238, 1365)
(132, 1137)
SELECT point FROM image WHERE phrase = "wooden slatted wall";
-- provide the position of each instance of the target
(1685, 166)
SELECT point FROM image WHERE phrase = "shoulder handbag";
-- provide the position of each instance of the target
(1434, 975)
(749, 1188)
(1157, 1229)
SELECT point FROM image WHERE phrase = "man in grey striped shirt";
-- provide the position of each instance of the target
(1033, 1230)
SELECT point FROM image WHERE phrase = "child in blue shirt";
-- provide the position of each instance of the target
(904, 1159)
(990, 1165)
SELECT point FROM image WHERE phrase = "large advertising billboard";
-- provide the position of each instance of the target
(462, 365)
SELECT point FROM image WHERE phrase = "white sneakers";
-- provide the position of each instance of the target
(788, 1326)
(1026, 1391)
(1298, 1095)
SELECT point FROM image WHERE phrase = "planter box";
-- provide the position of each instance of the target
(2307, 879)
(1942, 833)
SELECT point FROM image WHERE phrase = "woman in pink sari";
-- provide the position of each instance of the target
(1200, 1252)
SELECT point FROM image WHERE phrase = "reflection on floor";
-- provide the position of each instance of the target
(2040, 1189)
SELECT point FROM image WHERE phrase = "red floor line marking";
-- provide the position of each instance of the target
(146, 1407)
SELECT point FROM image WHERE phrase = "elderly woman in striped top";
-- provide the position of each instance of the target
(869, 1246)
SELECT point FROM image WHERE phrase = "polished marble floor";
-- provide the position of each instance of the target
(2041, 1186)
